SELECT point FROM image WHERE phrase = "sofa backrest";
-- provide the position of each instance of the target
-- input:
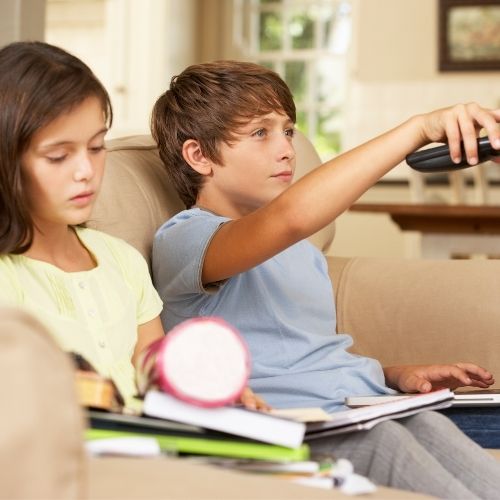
(137, 197)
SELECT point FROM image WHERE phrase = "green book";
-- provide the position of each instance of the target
(192, 445)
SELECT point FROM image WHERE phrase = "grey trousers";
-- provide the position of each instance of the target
(425, 453)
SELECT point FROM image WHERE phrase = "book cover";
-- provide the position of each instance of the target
(192, 445)
(251, 424)
(93, 389)
(140, 424)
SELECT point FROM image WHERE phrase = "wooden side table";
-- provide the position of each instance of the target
(448, 231)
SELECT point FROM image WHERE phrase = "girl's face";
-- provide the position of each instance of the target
(63, 166)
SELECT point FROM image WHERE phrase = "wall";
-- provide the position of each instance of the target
(21, 20)
(394, 75)
(134, 47)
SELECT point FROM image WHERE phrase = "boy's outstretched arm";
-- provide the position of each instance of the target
(425, 378)
(319, 197)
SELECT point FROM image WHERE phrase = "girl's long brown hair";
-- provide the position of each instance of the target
(38, 82)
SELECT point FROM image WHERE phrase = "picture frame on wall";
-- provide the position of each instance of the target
(469, 35)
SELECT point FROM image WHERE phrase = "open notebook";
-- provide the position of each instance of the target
(483, 397)
(319, 423)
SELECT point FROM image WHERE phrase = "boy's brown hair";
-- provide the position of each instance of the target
(207, 103)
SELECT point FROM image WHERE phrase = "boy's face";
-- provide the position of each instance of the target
(256, 167)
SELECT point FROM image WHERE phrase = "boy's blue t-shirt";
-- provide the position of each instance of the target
(284, 308)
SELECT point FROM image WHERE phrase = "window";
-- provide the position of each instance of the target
(306, 43)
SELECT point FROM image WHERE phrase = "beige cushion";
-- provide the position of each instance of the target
(307, 160)
(41, 454)
(420, 311)
(136, 195)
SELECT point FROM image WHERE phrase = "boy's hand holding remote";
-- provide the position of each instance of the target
(462, 123)
(445, 158)
(438, 159)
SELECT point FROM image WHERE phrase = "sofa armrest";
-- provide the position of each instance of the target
(420, 311)
(41, 455)
(134, 478)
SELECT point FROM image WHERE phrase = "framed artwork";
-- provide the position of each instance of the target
(469, 35)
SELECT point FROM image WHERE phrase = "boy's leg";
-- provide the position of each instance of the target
(390, 455)
(475, 467)
(482, 425)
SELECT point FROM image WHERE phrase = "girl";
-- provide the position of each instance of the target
(93, 291)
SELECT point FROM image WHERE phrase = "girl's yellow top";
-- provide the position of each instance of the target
(94, 313)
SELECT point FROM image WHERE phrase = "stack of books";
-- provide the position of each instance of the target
(231, 436)
(185, 429)
(250, 441)
(230, 431)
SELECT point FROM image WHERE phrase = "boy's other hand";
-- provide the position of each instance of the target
(425, 378)
(252, 401)
(462, 123)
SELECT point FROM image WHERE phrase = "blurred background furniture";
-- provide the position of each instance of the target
(446, 231)
(459, 223)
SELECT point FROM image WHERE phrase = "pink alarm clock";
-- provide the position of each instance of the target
(203, 361)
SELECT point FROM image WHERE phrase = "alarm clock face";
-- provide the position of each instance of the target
(203, 361)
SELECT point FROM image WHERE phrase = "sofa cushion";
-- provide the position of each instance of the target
(307, 160)
(136, 196)
(145, 198)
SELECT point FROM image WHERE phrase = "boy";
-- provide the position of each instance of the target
(225, 133)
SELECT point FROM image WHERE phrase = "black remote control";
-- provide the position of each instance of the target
(439, 160)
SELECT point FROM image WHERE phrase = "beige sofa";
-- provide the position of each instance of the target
(397, 311)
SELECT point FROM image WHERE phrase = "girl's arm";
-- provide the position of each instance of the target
(147, 333)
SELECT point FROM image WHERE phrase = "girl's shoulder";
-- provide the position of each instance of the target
(111, 251)
(10, 285)
(9, 263)
(98, 241)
